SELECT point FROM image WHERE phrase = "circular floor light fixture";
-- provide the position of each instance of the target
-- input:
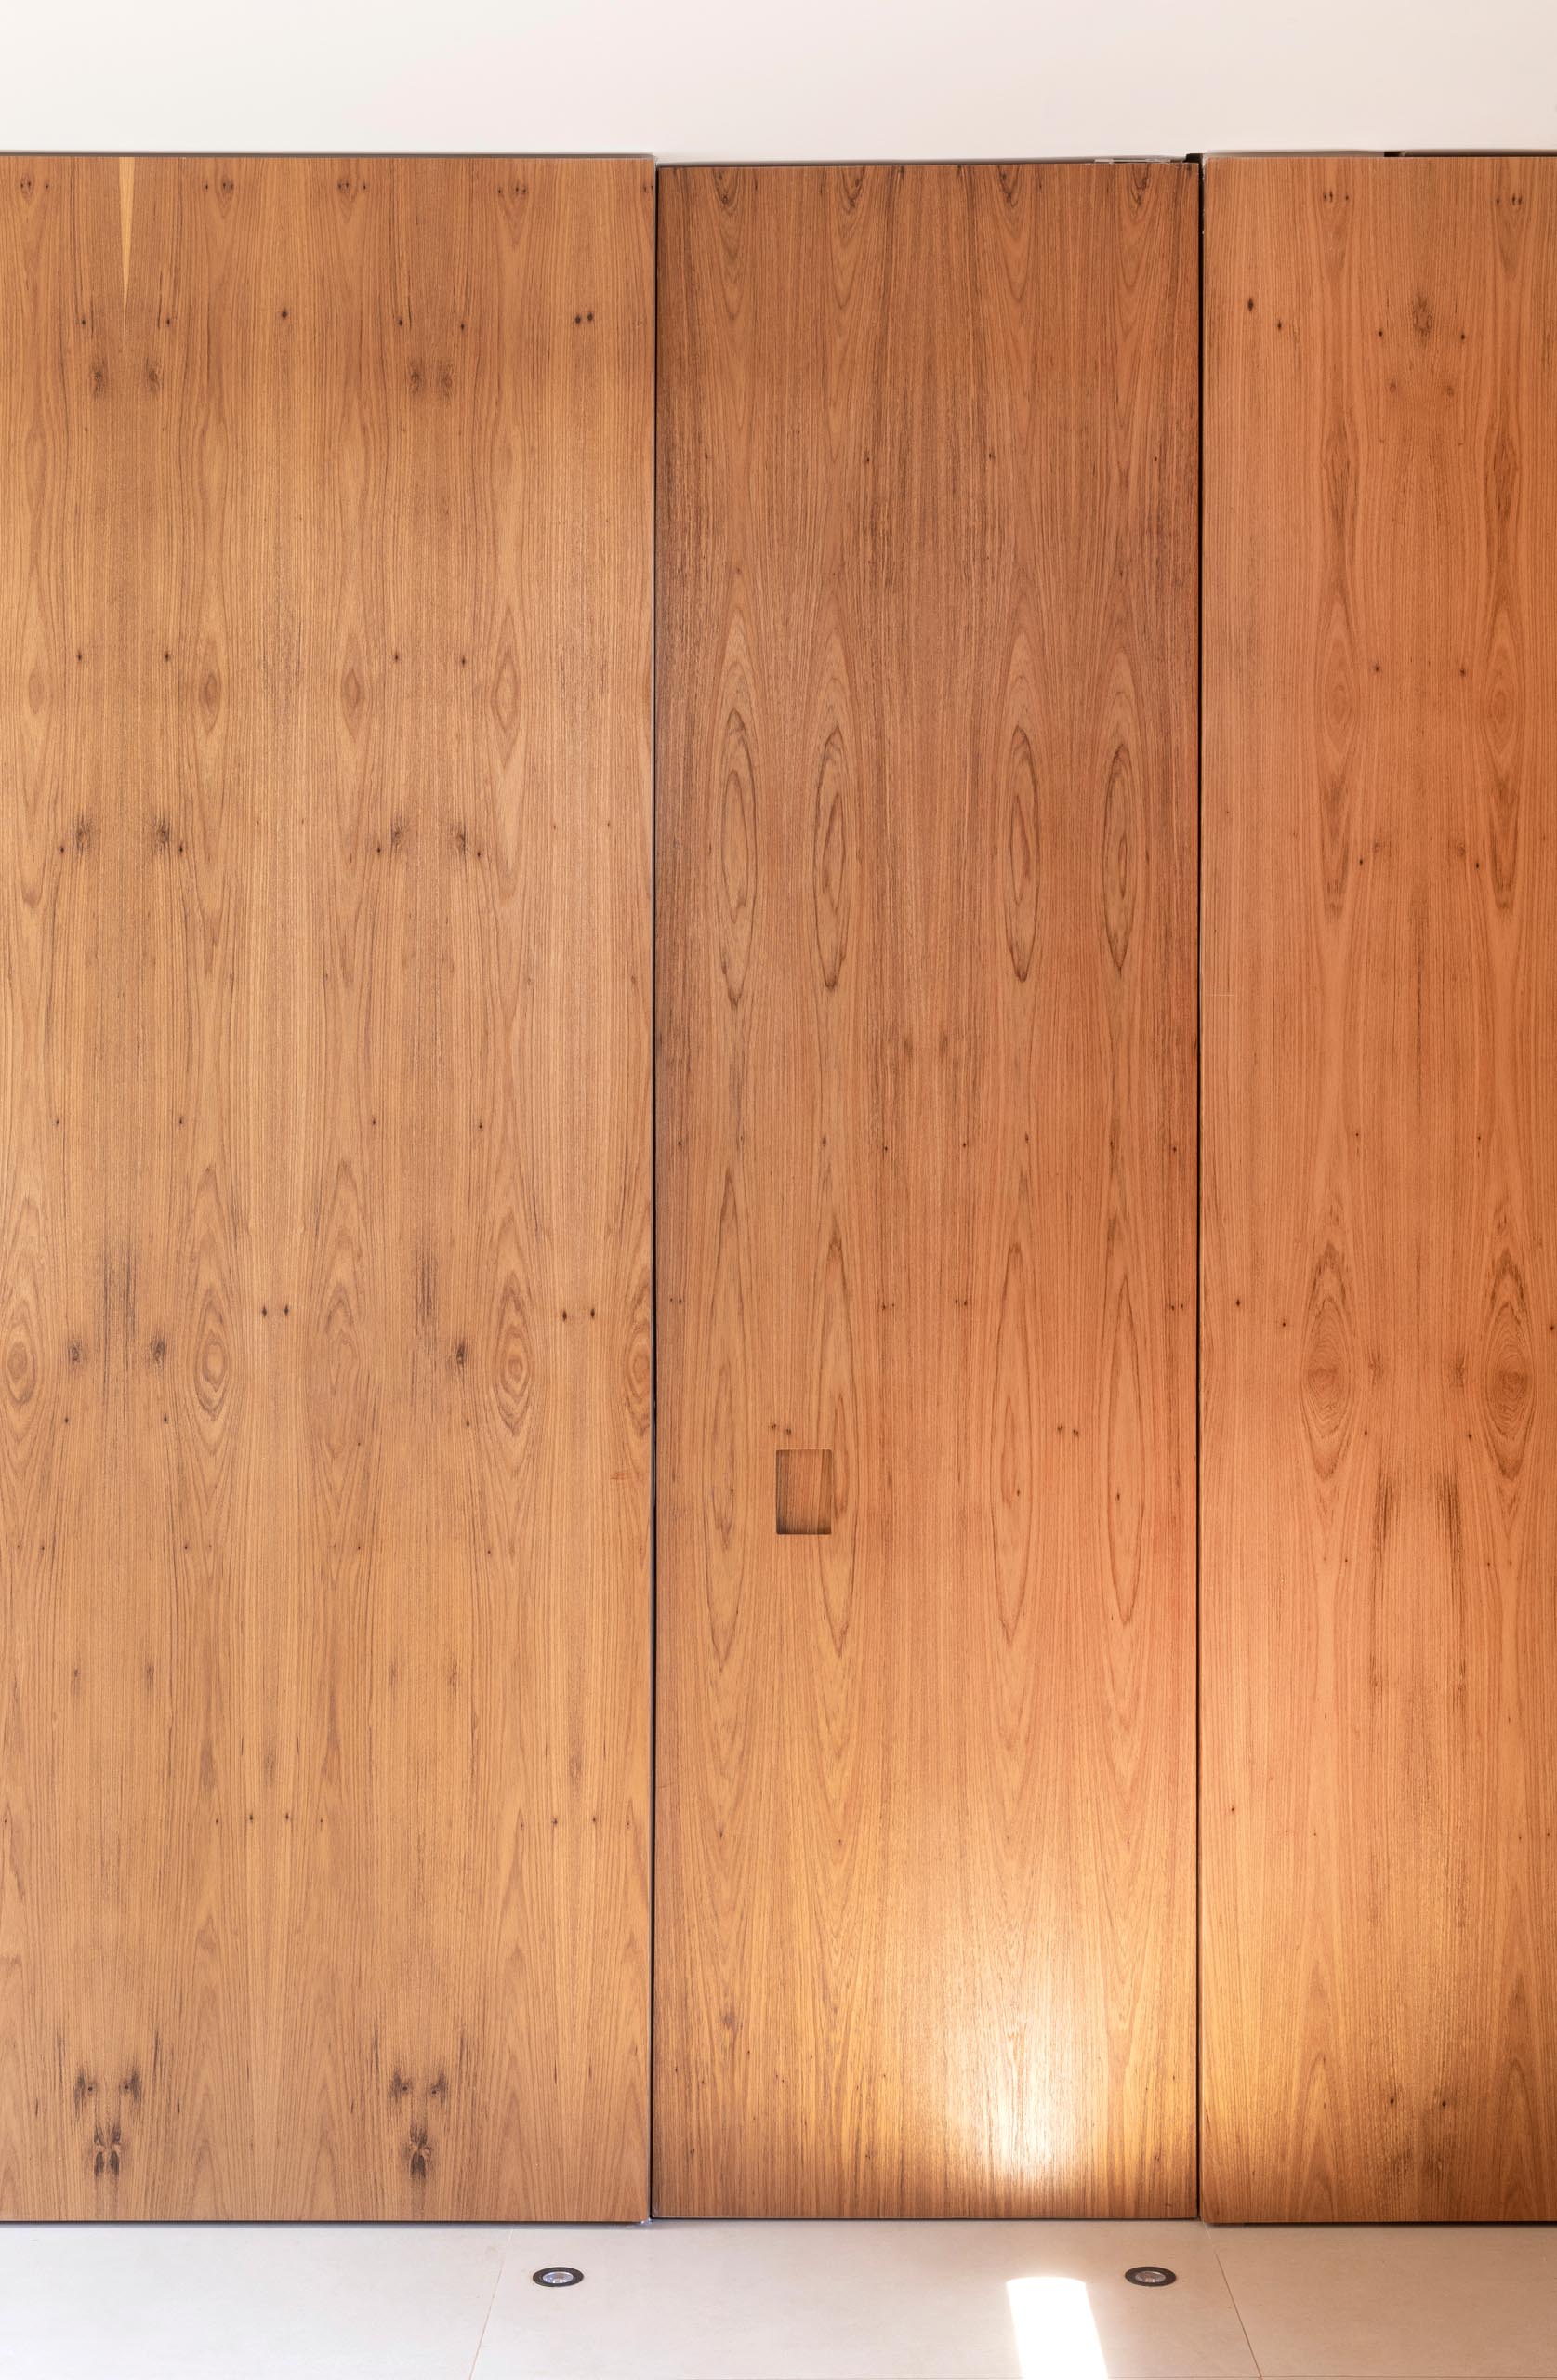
(1150, 2276)
(556, 2277)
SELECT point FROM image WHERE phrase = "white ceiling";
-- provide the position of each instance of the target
(789, 79)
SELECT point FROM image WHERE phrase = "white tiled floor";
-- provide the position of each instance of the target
(778, 2301)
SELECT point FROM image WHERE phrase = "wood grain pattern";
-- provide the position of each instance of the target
(1380, 1530)
(324, 1123)
(926, 638)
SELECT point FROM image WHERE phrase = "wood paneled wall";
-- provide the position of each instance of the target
(927, 952)
(325, 1184)
(326, 1131)
(1379, 1484)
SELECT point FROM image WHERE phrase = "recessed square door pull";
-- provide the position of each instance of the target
(805, 1491)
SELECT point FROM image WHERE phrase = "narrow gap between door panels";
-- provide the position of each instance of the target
(654, 1179)
(1199, 164)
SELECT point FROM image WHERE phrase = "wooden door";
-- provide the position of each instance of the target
(926, 575)
(325, 1183)
(1380, 1355)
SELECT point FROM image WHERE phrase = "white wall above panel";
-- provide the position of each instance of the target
(704, 79)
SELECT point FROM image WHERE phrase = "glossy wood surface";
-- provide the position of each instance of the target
(325, 1182)
(1379, 1350)
(927, 952)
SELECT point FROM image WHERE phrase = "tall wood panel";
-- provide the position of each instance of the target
(325, 512)
(1379, 1531)
(927, 785)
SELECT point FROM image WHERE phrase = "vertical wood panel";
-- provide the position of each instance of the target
(926, 638)
(1380, 1530)
(325, 577)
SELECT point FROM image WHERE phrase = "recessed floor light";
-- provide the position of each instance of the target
(1149, 2276)
(562, 2276)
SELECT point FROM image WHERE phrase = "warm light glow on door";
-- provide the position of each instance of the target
(1056, 2337)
